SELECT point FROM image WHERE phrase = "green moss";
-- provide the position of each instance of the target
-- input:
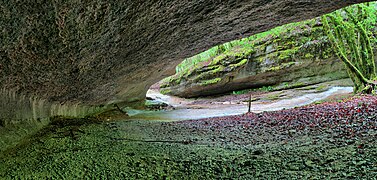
(280, 48)
(287, 54)
(303, 40)
(164, 85)
(274, 68)
(178, 81)
(218, 59)
(248, 51)
(165, 91)
(240, 52)
(261, 48)
(309, 56)
(327, 53)
(203, 76)
(266, 88)
(241, 92)
(218, 69)
(281, 66)
(211, 81)
(241, 63)
(167, 80)
(289, 64)
(274, 96)
(321, 87)
(298, 84)
(275, 41)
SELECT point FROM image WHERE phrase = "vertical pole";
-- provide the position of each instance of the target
(249, 104)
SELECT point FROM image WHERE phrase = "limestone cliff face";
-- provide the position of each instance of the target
(101, 52)
(297, 55)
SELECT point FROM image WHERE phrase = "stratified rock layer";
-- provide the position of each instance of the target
(293, 56)
(102, 52)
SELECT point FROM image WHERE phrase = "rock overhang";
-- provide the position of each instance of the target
(102, 52)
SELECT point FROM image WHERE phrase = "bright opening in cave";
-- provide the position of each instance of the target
(272, 69)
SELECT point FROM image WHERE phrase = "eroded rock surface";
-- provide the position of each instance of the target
(101, 52)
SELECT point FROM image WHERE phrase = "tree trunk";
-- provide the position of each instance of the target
(349, 32)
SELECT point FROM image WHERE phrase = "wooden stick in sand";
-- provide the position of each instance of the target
(249, 111)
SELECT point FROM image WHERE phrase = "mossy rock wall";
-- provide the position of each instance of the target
(22, 116)
(300, 55)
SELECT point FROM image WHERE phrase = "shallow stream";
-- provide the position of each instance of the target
(185, 112)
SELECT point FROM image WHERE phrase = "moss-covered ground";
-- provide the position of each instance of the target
(330, 140)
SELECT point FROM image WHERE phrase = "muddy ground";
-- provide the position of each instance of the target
(320, 141)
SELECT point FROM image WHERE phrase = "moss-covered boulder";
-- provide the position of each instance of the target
(296, 55)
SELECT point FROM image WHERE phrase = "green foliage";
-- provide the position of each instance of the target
(350, 32)
(206, 56)
(309, 56)
(241, 92)
(246, 44)
(286, 85)
(267, 88)
(283, 44)
(262, 89)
